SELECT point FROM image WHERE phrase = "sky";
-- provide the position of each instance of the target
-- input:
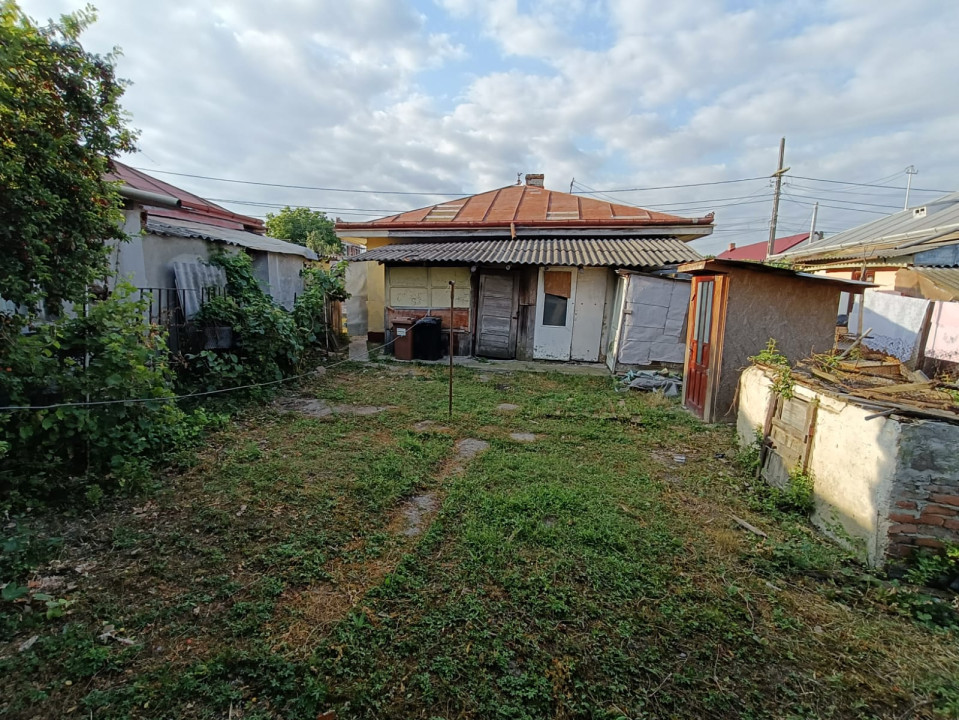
(619, 99)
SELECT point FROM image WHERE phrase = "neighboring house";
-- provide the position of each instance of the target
(757, 251)
(735, 308)
(913, 258)
(173, 230)
(534, 269)
(914, 239)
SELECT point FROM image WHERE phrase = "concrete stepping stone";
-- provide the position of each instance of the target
(524, 437)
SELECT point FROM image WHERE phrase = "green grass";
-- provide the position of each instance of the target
(585, 575)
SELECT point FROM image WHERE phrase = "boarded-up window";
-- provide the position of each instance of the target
(558, 282)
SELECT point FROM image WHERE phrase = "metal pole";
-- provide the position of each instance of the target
(770, 246)
(812, 225)
(452, 290)
(910, 171)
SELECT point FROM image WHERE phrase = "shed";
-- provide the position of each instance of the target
(735, 307)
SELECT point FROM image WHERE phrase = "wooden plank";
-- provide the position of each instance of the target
(904, 387)
(558, 282)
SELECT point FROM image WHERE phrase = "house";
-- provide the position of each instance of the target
(534, 270)
(173, 230)
(757, 251)
(735, 308)
(914, 239)
(912, 256)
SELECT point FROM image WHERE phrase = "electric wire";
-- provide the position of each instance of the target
(173, 398)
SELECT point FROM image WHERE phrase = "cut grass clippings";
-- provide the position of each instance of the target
(584, 574)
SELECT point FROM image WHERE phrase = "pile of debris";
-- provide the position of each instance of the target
(662, 380)
(874, 379)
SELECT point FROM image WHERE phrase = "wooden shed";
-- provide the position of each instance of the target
(735, 308)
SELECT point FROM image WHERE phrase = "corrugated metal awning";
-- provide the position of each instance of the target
(589, 252)
(264, 243)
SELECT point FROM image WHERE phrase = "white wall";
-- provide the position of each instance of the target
(853, 462)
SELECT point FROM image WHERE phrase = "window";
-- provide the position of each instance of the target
(557, 287)
(554, 310)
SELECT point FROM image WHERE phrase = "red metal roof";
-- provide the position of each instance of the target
(526, 206)
(757, 251)
(193, 207)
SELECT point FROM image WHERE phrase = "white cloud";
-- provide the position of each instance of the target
(625, 93)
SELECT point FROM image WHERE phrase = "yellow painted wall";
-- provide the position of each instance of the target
(411, 287)
(427, 287)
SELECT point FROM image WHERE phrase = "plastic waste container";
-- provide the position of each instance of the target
(427, 339)
(403, 338)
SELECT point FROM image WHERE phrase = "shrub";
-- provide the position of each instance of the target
(106, 353)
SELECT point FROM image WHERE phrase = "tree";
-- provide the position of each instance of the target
(60, 122)
(304, 227)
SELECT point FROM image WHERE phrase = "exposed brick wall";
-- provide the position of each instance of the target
(924, 507)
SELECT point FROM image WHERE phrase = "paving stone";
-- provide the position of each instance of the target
(523, 437)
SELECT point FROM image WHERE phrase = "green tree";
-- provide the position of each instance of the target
(60, 122)
(304, 227)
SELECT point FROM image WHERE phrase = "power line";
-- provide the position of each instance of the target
(256, 203)
(804, 201)
(296, 187)
(885, 187)
(672, 187)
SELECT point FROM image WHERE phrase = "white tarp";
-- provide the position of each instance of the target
(896, 322)
(654, 318)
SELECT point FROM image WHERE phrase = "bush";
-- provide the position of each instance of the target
(107, 353)
(269, 343)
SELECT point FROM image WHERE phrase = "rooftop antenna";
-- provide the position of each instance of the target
(519, 175)
(910, 171)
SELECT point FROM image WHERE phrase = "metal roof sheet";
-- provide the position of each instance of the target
(592, 252)
(905, 232)
(757, 251)
(186, 229)
(524, 205)
(192, 207)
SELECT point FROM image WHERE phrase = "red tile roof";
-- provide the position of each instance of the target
(193, 207)
(757, 251)
(527, 206)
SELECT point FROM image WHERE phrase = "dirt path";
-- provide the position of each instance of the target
(314, 611)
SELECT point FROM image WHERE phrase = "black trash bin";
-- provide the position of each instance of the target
(427, 339)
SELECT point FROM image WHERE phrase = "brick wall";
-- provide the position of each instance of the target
(924, 506)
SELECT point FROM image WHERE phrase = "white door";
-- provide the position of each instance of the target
(555, 302)
(588, 313)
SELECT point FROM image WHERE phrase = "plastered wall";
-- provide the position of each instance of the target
(800, 314)
(884, 487)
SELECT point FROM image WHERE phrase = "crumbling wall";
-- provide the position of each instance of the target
(924, 510)
(883, 486)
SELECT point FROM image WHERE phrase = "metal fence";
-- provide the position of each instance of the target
(174, 309)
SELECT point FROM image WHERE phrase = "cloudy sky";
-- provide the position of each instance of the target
(624, 96)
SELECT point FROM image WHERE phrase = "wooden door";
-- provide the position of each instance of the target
(700, 343)
(496, 315)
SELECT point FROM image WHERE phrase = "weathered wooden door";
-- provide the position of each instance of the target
(700, 343)
(496, 315)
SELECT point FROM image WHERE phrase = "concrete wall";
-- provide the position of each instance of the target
(883, 487)
(126, 258)
(799, 313)
(654, 318)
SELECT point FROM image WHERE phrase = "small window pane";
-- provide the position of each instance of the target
(554, 310)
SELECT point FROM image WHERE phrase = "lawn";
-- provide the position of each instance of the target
(313, 565)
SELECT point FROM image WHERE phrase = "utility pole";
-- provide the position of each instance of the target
(812, 225)
(910, 171)
(780, 171)
(571, 182)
